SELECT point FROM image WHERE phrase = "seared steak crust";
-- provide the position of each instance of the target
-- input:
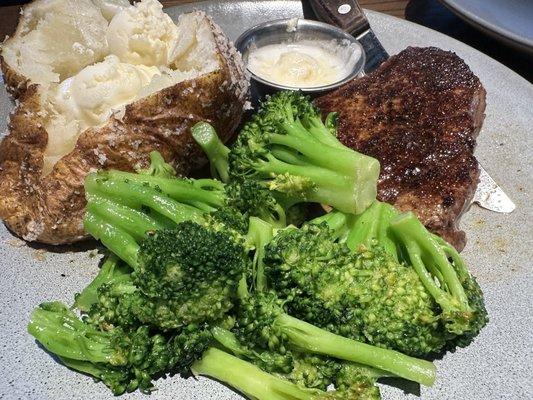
(419, 115)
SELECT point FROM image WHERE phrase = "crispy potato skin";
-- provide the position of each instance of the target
(50, 209)
(15, 83)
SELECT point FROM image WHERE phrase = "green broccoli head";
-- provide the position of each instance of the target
(362, 294)
(313, 371)
(193, 268)
(445, 276)
(252, 199)
(255, 322)
(123, 360)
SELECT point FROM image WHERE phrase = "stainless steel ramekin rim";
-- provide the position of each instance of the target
(336, 33)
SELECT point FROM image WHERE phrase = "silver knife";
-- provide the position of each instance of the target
(490, 196)
(348, 15)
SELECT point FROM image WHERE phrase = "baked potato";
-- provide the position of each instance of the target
(100, 84)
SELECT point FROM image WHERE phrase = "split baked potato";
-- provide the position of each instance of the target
(100, 84)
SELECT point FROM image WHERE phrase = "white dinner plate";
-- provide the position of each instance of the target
(497, 365)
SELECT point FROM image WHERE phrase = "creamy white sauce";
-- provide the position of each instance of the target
(303, 64)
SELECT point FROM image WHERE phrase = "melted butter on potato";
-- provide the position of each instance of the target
(145, 51)
(88, 99)
(92, 94)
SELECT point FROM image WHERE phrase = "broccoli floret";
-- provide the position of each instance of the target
(363, 294)
(123, 207)
(112, 271)
(249, 379)
(267, 360)
(193, 266)
(252, 199)
(261, 320)
(313, 371)
(439, 267)
(288, 149)
(445, 276)
(158, 167)
(185, 276)
(124, 361)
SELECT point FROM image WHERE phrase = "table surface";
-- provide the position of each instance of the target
(9, 11)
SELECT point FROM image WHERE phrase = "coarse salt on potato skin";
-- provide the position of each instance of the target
(49, 209)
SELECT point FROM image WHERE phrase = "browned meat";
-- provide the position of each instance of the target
(419, 114)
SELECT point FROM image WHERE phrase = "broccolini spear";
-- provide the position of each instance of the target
(288, 149)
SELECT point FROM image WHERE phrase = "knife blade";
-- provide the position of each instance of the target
(349, 16)
(491, 196)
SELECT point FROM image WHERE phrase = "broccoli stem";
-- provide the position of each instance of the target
(373, 225)
(61, 332)
(229, 341)
(342, 161)
(127, 191)
(206, 136)
(260, 233)
(113, 238)
(338, 222)
(324, 131)
(328, 187)
(111, 271)
(248, 379)
(426, 254)
(286, 155)
(310, 338)
(203, 194)
(134, 222)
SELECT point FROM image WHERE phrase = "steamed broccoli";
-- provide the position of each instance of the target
(361, 294)
(123, 207)
(185, 275)
(453, 302)
(123, 360)
(257, 384)
(217, 153)
(112, 270)
(261, 320)
(288, 149)
(249, 379)
(438, 265)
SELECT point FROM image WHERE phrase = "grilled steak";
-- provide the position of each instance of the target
(419, 115)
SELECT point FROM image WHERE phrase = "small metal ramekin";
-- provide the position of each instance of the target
(293, 30)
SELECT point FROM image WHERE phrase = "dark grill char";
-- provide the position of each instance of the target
(419, 114)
